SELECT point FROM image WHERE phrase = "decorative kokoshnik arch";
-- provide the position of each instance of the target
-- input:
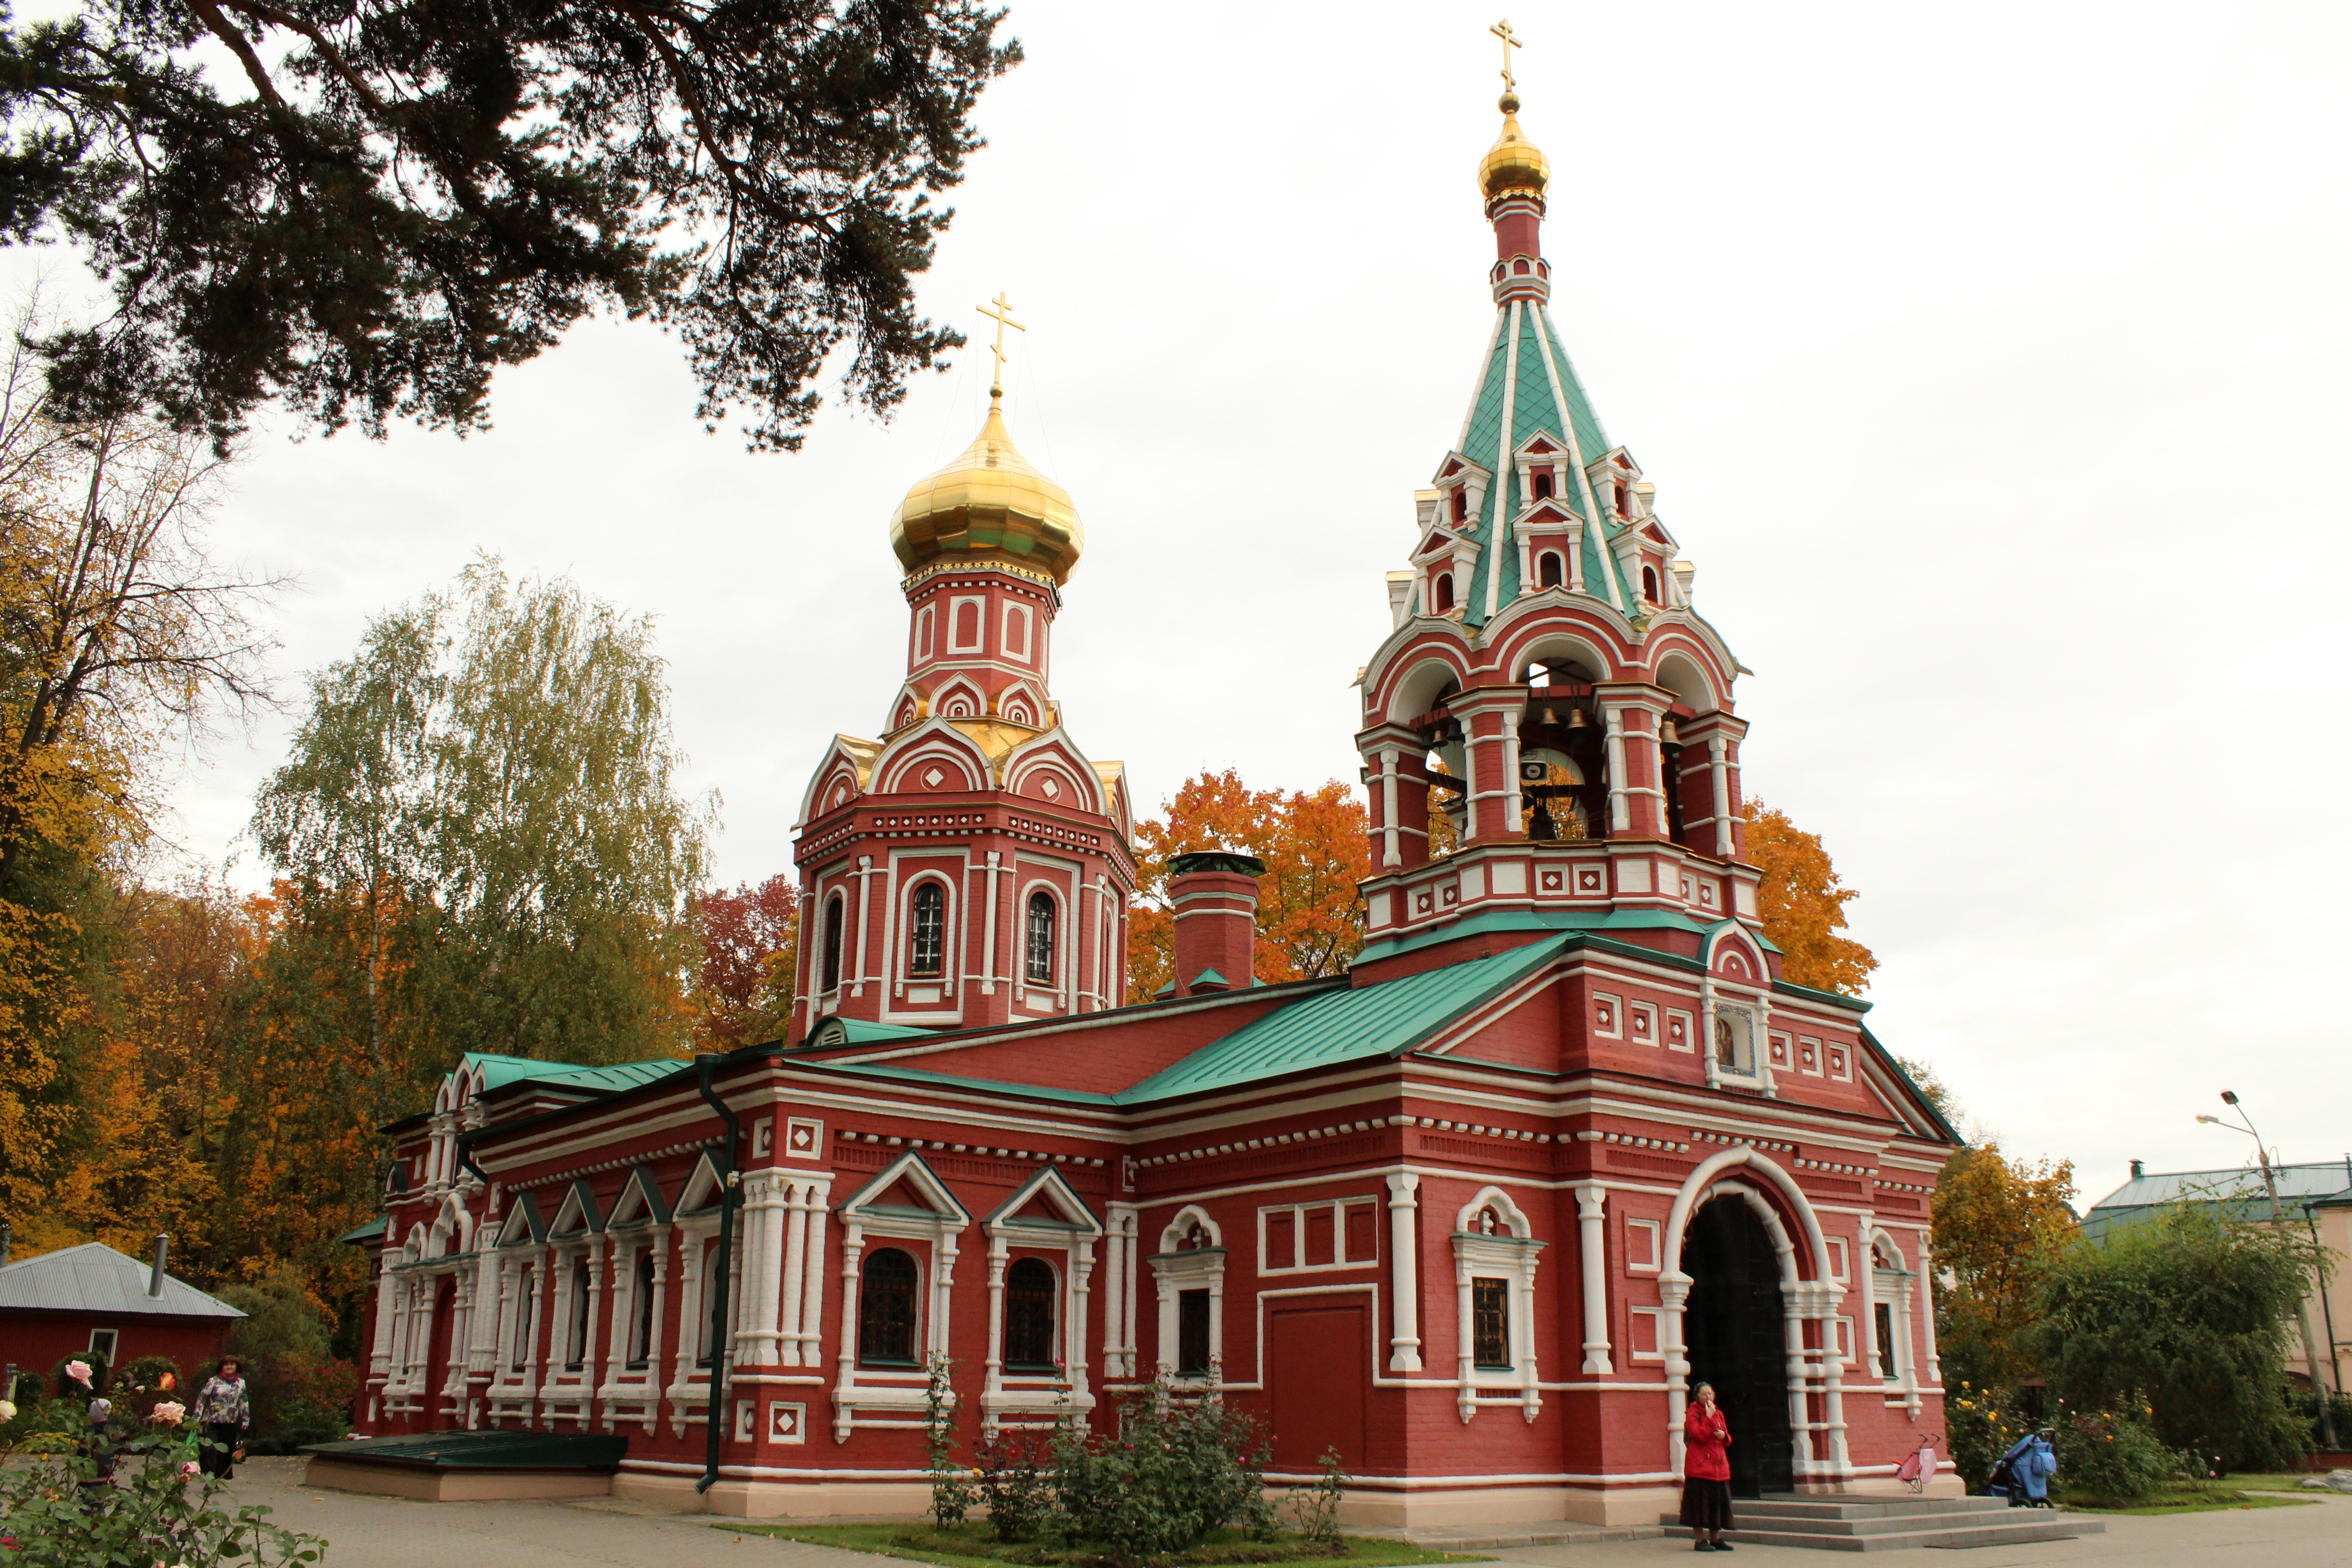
(1810, 1368)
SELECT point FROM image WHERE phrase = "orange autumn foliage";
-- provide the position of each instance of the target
(1310, 921)
(1803, 905)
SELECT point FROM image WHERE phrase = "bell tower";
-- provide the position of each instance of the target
(970, 868)
(1549, 737)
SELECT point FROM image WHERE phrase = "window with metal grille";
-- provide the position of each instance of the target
(1192, 1333)
(1884, 1316)
(1041, 939)
(886, 1309)
(576, 1356)
(641, 1339)
(1490, 1324)
(927, 920)
(526, 1326)
(832, 910)
(1029, 1316)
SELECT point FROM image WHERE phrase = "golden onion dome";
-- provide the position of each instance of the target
(990, 501)
(1513, 163)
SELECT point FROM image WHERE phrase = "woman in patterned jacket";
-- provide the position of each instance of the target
(223, 1411)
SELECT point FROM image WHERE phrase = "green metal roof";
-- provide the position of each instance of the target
(1355, 1023)
(498, 1071)
(1531, 362)
(2238, 1192)
(492, 1450)
(368, 1232)
(1535, 920)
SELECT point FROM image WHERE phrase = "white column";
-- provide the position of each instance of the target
(992, 1369)
(988, 958)
(1404, 1273)
(1620, 818)
(764, 1267)
(1074, 1356)
(1793, 1341)
(1863, 1279)
(1115, 1259)
(387, 1308)
(1391, 855)
(865, 876)
(852, 1243)
(813, 1277)
(1592, 1238)
(795, 1263)
(1465, 1367)
(1721, 771)
(802, 1000)
(1511, 771)
(1128, 1284)
(1928, 1311)
(1674, 1292)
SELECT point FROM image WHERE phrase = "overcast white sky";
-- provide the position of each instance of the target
(1989, 361)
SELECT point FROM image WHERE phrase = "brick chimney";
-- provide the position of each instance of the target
(1215, 895)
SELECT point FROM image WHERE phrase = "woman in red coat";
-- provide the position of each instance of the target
(1706, 1473)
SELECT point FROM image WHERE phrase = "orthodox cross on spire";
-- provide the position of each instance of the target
(1000, 310)
(1510, 41)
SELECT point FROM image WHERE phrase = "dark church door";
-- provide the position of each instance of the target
(1317, 1362)
(436, 1357)
(1733, 1334)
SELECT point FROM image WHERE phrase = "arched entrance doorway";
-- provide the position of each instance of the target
(1733, 1337)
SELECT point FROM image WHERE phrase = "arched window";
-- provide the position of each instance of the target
(886, 1309)
(575, 1355)
(525, 1327)
(833, 917)
(927, 920)
(1029, 1316)
(1041, 939)
(1650, 584)
(1461, 505)
(1444, 592)
(1543, 484)
(1548, 570)
(641, 1338)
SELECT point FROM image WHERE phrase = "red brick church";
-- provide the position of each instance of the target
(1479, 1214)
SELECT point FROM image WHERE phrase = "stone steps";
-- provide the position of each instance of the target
(1831, 1522)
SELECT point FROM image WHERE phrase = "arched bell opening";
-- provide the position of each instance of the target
(1734, 1337)
(1563, 757)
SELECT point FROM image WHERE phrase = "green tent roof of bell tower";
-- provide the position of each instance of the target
(1528, 377)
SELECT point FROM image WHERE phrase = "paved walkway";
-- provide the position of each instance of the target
(388, 1532)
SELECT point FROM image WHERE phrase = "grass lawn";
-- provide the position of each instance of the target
(2189, 1499)
(970, 1546)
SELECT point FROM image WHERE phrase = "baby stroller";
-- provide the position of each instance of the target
(1916, 1470)
(2022, 1474)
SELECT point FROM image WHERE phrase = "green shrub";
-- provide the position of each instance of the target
(1315, 1510)
(1016, 1481)
(1982, 1425)
(300, 1393)
(1176, 1469)
(2114, 1454)
(2192, 1311)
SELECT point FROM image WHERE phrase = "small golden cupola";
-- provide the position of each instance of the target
(1513, 165)
(991, 501)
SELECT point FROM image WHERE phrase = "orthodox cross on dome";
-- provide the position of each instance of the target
(1000, 310)
(1510, 41)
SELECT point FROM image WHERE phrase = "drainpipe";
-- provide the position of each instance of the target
(730, 1193)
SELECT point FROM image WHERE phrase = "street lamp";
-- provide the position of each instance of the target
(2245, 1124)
